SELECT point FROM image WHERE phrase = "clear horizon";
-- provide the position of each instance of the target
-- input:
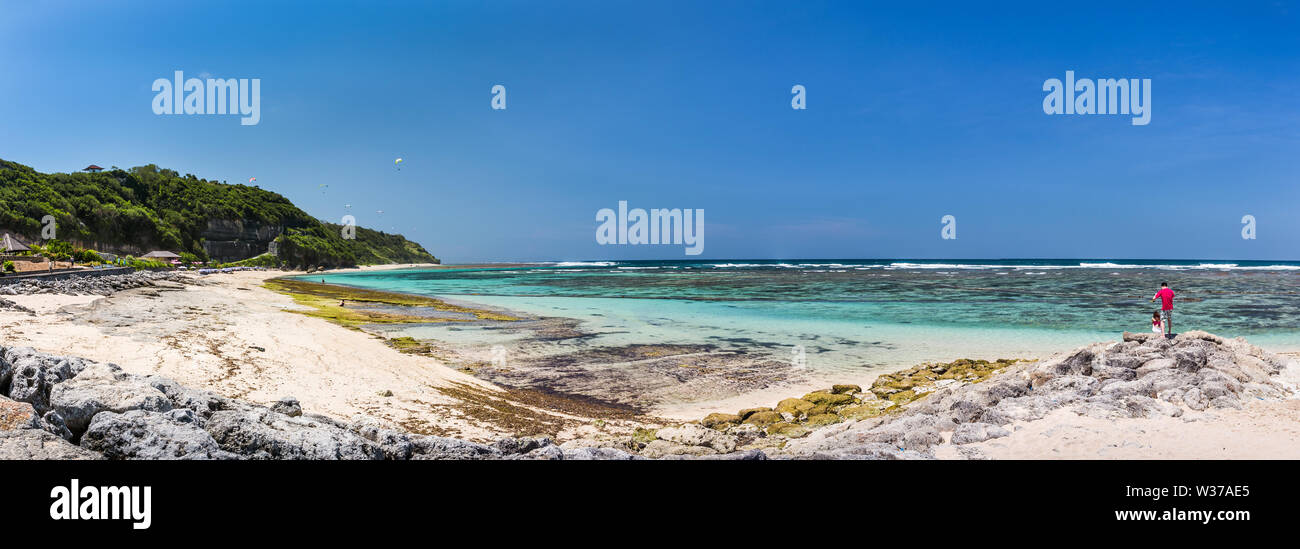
(912, 114)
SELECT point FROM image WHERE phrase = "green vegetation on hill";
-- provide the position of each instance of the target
(155, 208)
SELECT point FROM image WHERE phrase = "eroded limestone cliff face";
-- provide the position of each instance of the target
(237, 239)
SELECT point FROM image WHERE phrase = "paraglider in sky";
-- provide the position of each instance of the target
(348, 206)
(380, 212)
(252, 179)
(322, 188)
(398, 163)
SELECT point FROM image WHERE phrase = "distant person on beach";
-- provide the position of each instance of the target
(1156, 325)
(1166, 306)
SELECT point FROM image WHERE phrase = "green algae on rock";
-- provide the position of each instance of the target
(828, 398)
(794, 406)
(328, 301)
(788, 430)
(716, 419)
(822, 419)
(796, 417)
(763, 418)
(913, 383)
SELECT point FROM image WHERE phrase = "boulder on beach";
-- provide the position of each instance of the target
(288, 406)
(103, 388)
(30, 376)
(141, 434)
(261, 433)
(40, 444)
(16, 415)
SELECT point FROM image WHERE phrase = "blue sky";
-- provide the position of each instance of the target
(914, 112)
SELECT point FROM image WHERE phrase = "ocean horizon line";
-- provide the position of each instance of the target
(955, 263)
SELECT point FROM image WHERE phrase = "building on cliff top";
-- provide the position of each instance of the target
(10, 244)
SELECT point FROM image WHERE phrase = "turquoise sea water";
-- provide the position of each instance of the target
(856, 314)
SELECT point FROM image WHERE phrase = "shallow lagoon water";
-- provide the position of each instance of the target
(851, 315)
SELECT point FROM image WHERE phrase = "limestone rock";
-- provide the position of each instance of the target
(288, 406)
(830, 399)
(33, 375)
(103, 388)
(140, 434)
(430, 447)
(26, 444)
(265, 434)
(583, 454)
(202, 403)
(715, 419)
(762, 418)
(396, 445)
(662, 448)
(692, 434)
(1155, 364)
(53, 422)
(17, 415)
(968, 433)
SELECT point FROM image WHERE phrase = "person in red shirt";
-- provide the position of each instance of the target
(1166, 306)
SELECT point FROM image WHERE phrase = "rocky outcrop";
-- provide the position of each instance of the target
(54, 407)
(103, 388)
(1142, 376)
(6, 305)
(94, 285)
(261, 433)
(288, 406)
(843, 406)
(141, 434)
(28, 376)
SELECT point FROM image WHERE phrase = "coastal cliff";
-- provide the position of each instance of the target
(236, 239)
(132, 212)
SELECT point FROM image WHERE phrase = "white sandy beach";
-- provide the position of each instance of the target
(234, 337)
(1261, 430)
